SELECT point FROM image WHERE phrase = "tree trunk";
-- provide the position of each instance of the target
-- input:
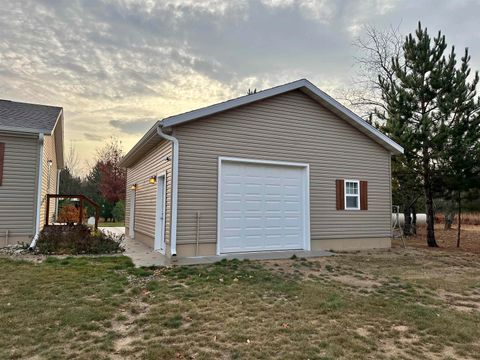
(448, 220)
(459, 218)
(427, 186)
(407, 223)
(414, 220)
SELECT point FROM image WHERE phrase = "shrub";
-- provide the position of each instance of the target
(69, 214)
(118, 211)
(77, 239)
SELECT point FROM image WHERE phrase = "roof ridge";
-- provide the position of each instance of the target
(236, 98)
(29, 103)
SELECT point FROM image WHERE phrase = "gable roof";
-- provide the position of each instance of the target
(149, 139)
(25, 117)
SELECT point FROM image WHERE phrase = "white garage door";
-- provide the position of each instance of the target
(262, 207)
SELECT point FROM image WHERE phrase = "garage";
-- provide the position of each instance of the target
(262, 206)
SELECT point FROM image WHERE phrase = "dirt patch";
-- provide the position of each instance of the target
(400, 328)
(467, 302)
(124, 326)
(363, 331)
(358, 282)
(447, 239)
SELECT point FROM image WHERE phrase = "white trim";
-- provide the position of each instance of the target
(131, 212)
(41, 141)
(310, 90)
(173, 220)
(160, 236)
(303, 84)
(306, 194)
(345, 181)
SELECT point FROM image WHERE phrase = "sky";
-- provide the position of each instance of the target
(118, 66)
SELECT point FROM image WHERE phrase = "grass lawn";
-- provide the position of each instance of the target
(111, 224)
(399, 304)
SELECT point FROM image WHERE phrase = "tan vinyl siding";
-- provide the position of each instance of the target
(49, 178)
(17, 193)
(288, 127)
(145, 204)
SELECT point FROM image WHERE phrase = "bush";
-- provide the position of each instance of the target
(69, 214)
(77, 239)
(119, 211)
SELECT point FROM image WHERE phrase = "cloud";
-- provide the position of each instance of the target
(136, 61)
(138, 126)
(93, 137)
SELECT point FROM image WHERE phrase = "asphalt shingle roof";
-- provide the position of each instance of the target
(31, 117)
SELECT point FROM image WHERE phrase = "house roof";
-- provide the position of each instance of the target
(149, 139)
(25, 117)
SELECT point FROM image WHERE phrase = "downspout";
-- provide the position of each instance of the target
(39, 190)
(173, 225)
(57, 189)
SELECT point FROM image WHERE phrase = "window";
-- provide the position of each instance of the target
(352, 195)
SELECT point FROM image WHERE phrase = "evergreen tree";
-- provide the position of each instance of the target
(423, 108)
(69, 184)
(459, 160)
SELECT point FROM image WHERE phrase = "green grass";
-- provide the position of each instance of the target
(112, 224)
(384, 305)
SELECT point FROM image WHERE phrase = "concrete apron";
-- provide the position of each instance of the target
(142, 255)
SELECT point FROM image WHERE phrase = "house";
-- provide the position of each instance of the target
(288, 168)
(31, 156)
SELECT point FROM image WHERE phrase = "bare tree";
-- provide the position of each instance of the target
(112, 150)
(376, 49)
(71, 159)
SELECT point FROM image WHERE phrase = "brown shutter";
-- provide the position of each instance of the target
(2, 157)
(340, 194)
(363, 195)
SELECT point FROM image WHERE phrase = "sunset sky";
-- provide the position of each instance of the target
(117, 66)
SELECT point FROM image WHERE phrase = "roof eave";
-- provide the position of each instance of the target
(14, 129)
(130, 158)
(308, 88)
(302, 84)
(59, 152)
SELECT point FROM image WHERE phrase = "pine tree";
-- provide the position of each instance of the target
(423, 108)
(459, 160)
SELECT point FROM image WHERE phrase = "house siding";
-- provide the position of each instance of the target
(18, 191)
(49, 178)
(288, 127)
(146, 197)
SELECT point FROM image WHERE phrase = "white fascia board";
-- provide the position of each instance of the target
(350, 115)
(230, 104)
(311, 90)
(138, 147)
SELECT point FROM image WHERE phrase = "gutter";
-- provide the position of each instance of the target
(173, 225)
(41, 142)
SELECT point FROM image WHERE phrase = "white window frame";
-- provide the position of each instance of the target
(345, 181)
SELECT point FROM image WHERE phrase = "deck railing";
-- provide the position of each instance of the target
(82, 199)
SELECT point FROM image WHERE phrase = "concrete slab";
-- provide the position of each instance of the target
(142, 255)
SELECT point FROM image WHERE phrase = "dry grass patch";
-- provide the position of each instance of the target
(399, 304)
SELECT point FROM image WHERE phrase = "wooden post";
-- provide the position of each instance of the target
(97, 214)
(47, 210)
(80, 217)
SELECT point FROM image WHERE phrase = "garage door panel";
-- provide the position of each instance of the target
(262, 207)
